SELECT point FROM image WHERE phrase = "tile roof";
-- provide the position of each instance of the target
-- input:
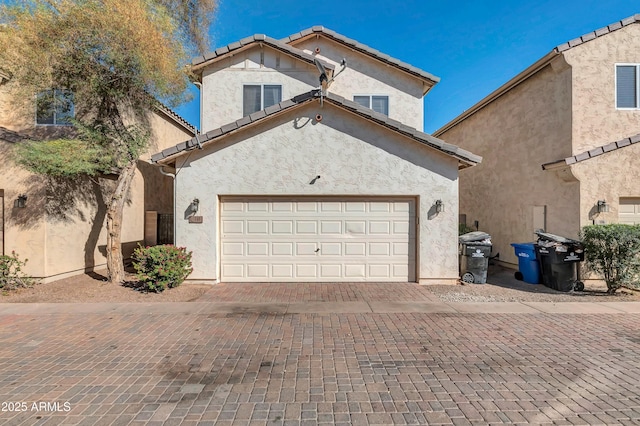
(255, 39)
(363, 49)
(176, 117)
(465, 158)
(598, 33)
(586, 155)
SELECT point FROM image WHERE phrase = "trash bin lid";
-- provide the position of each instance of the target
(557, 238)
(473, 236)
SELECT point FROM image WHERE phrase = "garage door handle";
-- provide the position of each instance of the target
(317, 250)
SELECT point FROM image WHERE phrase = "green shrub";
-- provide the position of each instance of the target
(159, 267)
(11, 275)
(614, 252)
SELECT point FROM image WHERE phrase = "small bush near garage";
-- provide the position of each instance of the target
(159, 267)
(613, 251)
(11, 275)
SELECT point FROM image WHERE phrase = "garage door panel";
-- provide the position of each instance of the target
(353, 227)
(629, 211)
(282, 249)
(282, 227)
(282, 271)
(306, 271)
(317, 240)
(306, 227)
(355, 249)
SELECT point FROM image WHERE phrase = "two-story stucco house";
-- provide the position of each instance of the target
(559, 142)
(288, 182)
(59, 225)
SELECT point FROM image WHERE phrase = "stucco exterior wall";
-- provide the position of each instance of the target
(62, 229)
(525, 128)
(353, 156)
(607, 177)
(596, 121)
(222, 82)
(366, 76)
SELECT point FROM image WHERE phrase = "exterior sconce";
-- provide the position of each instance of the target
(439, 205)
(602, 206)
(194, 205)
(21, 202)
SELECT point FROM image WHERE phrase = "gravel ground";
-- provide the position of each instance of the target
(501, 286)
(94, 288)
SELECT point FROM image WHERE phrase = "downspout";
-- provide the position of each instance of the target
(172, 176)
(199, 86)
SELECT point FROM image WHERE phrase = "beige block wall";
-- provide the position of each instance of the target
(525, 128)
(353, 156)
(596, 121)
(367, 76)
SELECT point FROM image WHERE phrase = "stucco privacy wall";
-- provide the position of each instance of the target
(367, 76)
(596, 121)
(526, 127)
(222, 82)
(280, 156)
(609, 177)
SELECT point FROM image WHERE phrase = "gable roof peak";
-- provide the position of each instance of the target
(429, 78)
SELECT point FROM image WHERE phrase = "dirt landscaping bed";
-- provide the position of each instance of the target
(94, 288)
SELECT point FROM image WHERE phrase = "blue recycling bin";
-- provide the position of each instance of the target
(527, 262)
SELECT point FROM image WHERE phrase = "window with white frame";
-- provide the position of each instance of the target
(54, 107)
(627, 86)
(378, 103)
(256, 97)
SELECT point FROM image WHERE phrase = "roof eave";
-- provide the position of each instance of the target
(515, 81)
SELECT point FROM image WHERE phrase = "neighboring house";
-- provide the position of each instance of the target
(558, 140)
(59, 226)
(289, 184)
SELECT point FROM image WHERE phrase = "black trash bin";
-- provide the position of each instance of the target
(475, 250)
(559, 258)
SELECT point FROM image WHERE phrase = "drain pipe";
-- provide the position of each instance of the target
(199, 86)
(172, 176)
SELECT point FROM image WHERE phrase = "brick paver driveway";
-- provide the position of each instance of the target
(195, 363)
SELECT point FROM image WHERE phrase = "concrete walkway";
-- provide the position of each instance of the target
(281, 355)
(316, 307)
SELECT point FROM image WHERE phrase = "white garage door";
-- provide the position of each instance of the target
(629, 211)
(317, 240)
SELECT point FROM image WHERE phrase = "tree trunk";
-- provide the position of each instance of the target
(115, 262)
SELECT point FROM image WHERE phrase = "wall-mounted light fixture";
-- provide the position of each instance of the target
(602, 206)
(439, 205)
(21, 202)
(194, 205)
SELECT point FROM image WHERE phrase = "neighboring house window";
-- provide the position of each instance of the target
(627, 82)
(54, 107)
(375, 102)
(256, 97)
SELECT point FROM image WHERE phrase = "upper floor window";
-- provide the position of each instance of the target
(378, 103)
(54, 107)
(627, 86)
(256, 97)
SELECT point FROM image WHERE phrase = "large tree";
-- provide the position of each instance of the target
(116, 58)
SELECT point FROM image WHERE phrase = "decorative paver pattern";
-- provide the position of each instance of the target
(318, 292)
(205, 367)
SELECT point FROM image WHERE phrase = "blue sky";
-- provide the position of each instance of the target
(473, 46)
